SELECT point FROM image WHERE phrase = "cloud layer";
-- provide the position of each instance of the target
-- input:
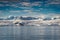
(35, 7)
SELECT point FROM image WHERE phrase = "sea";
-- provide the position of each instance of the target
(29, 32)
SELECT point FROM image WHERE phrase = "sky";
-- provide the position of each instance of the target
(29, 7)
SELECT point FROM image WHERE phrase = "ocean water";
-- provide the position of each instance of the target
(29, 32)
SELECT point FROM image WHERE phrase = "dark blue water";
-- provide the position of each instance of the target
(29, 32)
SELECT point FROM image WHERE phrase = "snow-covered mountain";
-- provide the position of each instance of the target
(25, 20)
(28, 18)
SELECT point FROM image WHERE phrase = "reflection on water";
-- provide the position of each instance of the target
(29, 33)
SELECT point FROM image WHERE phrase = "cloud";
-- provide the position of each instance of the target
(14, 11)
(21, 4)
(27, 10)
(29, 4)
(25, 4)
(0, 12)
(36, 3)
(53, 1)
(4, 1)
(1, 5)
(34, 6)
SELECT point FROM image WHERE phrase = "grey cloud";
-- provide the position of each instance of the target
(53, 1)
